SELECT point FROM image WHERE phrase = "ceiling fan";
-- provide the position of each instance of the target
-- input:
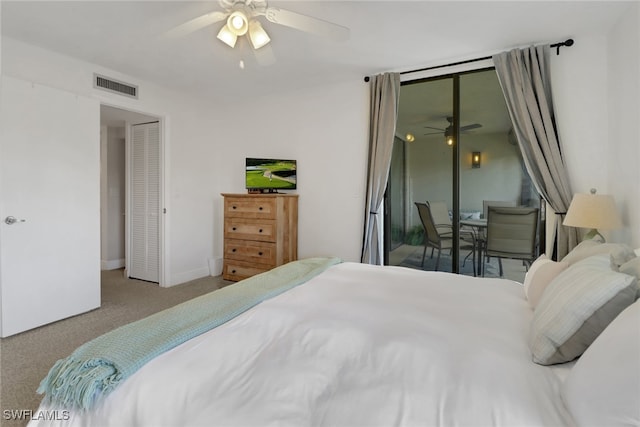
(242, 19)
(448, 131)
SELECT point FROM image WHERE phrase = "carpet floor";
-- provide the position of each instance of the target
(25, 358)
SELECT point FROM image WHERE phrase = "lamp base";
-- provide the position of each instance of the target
(593, 234)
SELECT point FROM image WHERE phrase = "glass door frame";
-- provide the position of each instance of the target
(455, 153)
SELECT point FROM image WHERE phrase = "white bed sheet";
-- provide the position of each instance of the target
(358, 345)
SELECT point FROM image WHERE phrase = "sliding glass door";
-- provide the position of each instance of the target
(458, 155)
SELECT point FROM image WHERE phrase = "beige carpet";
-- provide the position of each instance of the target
(26, 358)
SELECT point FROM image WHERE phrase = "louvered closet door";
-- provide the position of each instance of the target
(145, 202)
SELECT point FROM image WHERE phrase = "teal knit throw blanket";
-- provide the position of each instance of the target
(98, 366)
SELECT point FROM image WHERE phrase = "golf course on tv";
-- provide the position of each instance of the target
(261, 173)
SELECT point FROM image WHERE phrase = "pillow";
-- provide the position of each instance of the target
(575, 307)
(540, 274)
(470, 215)
(621, 253)
(632, 268)
(603, 388)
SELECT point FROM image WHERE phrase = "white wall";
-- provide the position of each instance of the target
(623, 154)
(326, 130)
(192, 182)
(430, 170)
(597, 98)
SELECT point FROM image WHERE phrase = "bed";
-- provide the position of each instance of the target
(363, 345)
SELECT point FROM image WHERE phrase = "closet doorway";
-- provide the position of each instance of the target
(131, 193)
(454, 150)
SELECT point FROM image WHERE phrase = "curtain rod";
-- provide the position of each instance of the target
(568, 42)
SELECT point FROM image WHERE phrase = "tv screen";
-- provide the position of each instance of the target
(270, 174)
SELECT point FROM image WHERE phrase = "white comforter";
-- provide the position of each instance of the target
(358, 345)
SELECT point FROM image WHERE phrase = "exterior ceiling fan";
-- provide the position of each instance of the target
(242, 19)
(448, 131)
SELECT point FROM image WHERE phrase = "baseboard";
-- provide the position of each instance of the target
(187, 276)
(112, 264)
(215, 266)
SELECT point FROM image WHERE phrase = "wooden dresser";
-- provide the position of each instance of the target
(260, 233)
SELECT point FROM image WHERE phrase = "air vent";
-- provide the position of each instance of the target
(115, 86)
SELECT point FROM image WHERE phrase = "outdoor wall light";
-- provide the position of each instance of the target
(475, 159)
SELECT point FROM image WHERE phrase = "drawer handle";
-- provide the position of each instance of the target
(233, 271)
(233, 207)
(260, 231)
(260, 253)
(233, 250)
(234, 229)
(260, 208)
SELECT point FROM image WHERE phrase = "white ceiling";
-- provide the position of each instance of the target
(385, 36)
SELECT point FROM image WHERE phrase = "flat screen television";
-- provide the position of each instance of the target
(270, 175)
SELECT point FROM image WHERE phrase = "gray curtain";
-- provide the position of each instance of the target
(385, 90)
(525, 81)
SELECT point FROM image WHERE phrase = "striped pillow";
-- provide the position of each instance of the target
(540, 274)
(576, 306)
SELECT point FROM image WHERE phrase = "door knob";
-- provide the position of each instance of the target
(12, 220)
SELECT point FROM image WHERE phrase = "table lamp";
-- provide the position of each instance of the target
(594, 211)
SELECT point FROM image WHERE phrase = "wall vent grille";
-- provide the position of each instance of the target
(115, 86)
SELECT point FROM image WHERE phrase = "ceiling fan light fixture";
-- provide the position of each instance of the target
(227, 36)
(257, 34)
(448, 135)
(238, 23)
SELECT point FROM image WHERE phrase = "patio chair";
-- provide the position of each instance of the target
(511, 233)
(439, 236)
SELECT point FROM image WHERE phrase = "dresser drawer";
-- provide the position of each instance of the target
(251, 251)
(238, 270)
(250, 229)
(260, 233)
(241, 207)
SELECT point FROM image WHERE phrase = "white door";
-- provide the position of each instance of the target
(144, 259)
(49, 205)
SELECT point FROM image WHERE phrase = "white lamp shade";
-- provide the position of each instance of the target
(227, 36)
(257, 35)
(595, 211)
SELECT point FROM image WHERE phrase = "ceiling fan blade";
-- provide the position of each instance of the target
(433, 133)
(469, 127)
(196, 24)
(431, 127)
(307, 23)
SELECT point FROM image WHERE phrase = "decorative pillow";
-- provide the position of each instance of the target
(632, 268)
(603, 388)
(470, 215)
(576, 306)
(620, 252)
(540, 274)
